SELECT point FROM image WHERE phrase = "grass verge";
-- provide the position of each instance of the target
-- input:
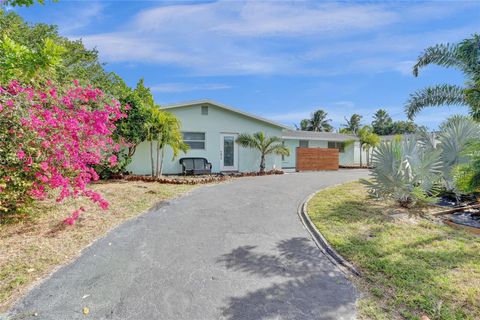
(411, 266)
(31, 249)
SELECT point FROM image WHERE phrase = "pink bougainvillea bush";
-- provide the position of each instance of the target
(51, 140)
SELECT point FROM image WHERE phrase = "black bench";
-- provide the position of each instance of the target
(195, 166)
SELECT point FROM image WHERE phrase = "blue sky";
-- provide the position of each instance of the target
(278, 59)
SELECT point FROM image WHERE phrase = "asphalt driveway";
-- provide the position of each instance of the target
(230, 251)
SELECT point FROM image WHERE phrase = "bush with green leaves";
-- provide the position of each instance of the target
(466, 176)
(406, 171)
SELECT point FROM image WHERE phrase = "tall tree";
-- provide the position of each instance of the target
(403, 127)
(132, 129)
(163, 129)
(28, 65)
(368, 140)
(37, 52)
(353, 124)
(464, 56)
(266, 145)
(303, 125)
(169, 135)
(382, 122)
(318, 122)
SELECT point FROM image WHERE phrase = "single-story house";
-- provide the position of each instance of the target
(211, 128)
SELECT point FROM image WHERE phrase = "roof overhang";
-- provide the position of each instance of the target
(318, 136)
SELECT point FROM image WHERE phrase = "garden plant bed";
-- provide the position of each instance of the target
(463, 216)
(203, 179)
(411, 263)
(34, 247)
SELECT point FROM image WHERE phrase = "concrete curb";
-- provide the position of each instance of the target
(321, 242)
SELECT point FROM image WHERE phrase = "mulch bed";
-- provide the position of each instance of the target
(354, 167)
(192, 180)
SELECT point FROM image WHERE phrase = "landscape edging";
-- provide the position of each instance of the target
(195, 181)
(320, 240)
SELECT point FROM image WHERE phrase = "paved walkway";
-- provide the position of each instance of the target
(230, 251)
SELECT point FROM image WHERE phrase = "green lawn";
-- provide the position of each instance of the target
(410, 267)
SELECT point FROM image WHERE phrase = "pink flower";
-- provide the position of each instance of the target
(69, 221)
(67, 133)
(44, 166)
(20, 154)
(112, 160)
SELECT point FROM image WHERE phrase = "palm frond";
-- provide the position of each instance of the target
(402, 170)
(455, 135)
(248, 141)
(444, 94)
(445, 55)
(278, 149)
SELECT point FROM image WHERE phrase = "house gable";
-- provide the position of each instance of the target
(202, 104)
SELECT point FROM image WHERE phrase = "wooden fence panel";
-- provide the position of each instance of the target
(313, 159)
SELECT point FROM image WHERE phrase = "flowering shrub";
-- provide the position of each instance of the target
(50, 140)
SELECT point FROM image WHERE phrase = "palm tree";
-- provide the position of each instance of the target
(368, 140)
(151, 126)
(266, 145)
(382, 122)
(318, 122)
(169, 134)
(353, 124)
(466, 57)
(164, 128)
(303, 125)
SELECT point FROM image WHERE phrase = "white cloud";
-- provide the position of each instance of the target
(252, 37)
(255, 18)
(84, 15)
(184, 87)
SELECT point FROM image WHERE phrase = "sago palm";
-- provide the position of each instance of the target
(266, 145)
(464, 56)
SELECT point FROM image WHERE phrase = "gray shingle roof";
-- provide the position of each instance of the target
(312, 135)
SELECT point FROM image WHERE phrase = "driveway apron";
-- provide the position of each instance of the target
(235, 250)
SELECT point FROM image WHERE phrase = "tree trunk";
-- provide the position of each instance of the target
(262, 164)
(151, 158)
(368, 157)
(360, 155)
(161, 161)
(157, 171)
(131, 150)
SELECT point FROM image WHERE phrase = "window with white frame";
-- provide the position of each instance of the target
(196, 140)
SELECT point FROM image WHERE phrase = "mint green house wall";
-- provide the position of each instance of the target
(225, 120)
(218, 121)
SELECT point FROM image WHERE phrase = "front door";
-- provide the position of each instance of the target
(228, 152)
